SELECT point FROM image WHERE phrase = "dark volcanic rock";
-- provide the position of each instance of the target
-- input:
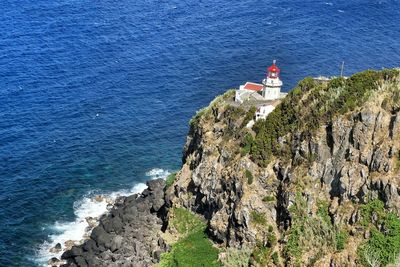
(128, 235)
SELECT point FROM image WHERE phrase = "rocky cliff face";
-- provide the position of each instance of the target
(346, 162)
(295, 190)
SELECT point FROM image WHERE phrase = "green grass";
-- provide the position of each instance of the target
(323, 212)
(193, 248)
(275, 259)
(185, 222)
(258, 217)
(341, 239)
(308, 232)
(170, 179)
(384, 242)
(249, 177)
(268, 198)
(261, 255)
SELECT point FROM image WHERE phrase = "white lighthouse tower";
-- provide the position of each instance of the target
(272, 84)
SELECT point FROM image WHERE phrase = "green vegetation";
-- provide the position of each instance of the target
(308, 106)
(275, 259)
(269, 198)
(185, 222)
(258, 217)
(246, 144)
(270, 228)
(249, 176)
(196, 118)
(341, 239)
(249, 116)
(261, 255)
(271, 237)
(323, 212)
(194, 121)
(314, 233)
(383, 246)
(236, 257)
(193, 248)
(170, 180)
(397, 161)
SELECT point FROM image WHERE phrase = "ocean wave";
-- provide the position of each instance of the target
(86, 210)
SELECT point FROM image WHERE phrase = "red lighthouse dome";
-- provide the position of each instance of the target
(273, 70)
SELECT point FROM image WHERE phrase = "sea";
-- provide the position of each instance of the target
(95, 96)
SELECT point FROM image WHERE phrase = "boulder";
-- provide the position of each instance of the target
(72, 253)
(116, 243)
(56, 248)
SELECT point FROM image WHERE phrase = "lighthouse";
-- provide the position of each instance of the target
(272, 83)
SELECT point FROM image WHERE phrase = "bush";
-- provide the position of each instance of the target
(249, 176)
(374, 208)
(268, 198)
(308, 233)
(323, 212)
(271, 237)
(275, 259)
(341, 239)
(270, 228)
(261, 255)
(170, 180)
(246, 144)
(383, 245)
(258, 217)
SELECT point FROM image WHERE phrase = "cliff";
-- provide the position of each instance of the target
(315, 184)
(295, 189)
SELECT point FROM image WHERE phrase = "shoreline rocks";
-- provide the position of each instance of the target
(128, 235)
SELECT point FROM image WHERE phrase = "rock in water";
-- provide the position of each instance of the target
(56, 248)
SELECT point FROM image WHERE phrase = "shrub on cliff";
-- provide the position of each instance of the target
(170, 180)
(313, 234)
(383, 246)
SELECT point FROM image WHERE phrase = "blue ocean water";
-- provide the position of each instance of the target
(95, 94)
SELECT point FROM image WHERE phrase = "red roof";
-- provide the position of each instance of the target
(253, 86)
(273, 68)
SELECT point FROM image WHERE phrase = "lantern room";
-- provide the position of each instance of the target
(273, 71)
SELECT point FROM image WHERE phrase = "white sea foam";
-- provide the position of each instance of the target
(88, 206)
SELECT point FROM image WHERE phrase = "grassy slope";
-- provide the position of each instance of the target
(193, 248)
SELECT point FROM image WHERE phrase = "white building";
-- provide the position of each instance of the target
(249, 91)
(270, 89)
(263, 111)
